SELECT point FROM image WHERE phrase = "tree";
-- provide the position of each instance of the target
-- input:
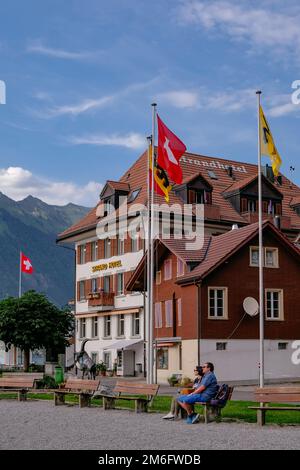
(32, 322)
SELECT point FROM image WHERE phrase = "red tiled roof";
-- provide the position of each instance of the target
(295, 201)
(118, 185)
(178, 247)
(136, 178)
(223, 246)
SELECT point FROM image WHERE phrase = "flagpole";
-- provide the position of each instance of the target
(260, 243)
(152, 249)
(147, 313)
(20, 275)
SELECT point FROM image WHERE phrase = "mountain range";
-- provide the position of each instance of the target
(31, 226)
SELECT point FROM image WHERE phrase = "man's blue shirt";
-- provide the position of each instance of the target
(211, 387)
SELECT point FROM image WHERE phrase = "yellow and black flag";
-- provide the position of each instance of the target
(268, 147)
(161, 181)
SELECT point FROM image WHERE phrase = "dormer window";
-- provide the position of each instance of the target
(108, 207)
(195, 190)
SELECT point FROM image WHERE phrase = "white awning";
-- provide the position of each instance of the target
(124, 344)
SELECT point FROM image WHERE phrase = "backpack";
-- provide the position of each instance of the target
(222, 396)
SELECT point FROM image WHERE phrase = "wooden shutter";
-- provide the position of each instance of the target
(192, 196)
(278, 208)
(244, 207)
(78, 291)
(78, 253)
(208, 197)
(265, 206)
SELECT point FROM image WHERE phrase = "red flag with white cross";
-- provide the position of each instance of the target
(170, 149)
(26, 264)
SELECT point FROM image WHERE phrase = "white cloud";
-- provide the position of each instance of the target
(262, 27)
(179, 98)
(75, 110)
(132, 140)
(17, 183)
(38, 48)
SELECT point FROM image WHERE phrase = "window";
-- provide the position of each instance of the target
(179, 313)
(180, 267)
(107, 245)
(107, 359)
(158, 315)
(168, 269)
(94, 285)
(120, 359)
(271, 257)
(94, 327)
(108, 207)
(169, 313)
(106, 284)
(251, 205)
(282, 346)
(217, 307)
(136, 324)
(133, 195)
(121, 325)
(120, 283)
(274, 304)
(107, 331)
(94, 251)
(82, 251)
(158, 278)
(120, 245)
(221, 346)
(94, 356)
(195, 197)
(81, 290)
(254, 256)
(162, 358)
(82, 328)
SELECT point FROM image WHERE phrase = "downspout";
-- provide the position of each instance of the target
(199, 285)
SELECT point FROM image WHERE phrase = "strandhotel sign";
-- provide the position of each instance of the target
(213, 164)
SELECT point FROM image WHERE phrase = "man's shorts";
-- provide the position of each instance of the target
(191, 399)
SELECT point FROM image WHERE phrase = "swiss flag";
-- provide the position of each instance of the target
(170, 149)
(26, 265)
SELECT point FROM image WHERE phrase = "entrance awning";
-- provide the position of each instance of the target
(124, 344)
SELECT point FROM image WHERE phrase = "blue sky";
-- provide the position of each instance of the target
(80, 79)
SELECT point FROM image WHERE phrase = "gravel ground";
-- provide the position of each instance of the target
(40, 425)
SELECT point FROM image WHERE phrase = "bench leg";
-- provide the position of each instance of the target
(211, 413)
(261, 417)
(22, 395)
(108, 403)
(59, 398)
(183, 413)
(84, 400)
(141, 406)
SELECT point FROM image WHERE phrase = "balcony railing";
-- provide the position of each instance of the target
(252, 217)
(101, 299)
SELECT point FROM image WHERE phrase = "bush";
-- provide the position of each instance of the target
(173, 380)
(185, 381)
(47, 382)
(36, 368)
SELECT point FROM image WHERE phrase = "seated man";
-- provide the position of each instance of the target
(205, 392)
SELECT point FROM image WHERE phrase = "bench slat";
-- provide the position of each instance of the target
(78, 384)
(276, 408)
(277, 398)
(27, 383)
(275, 390)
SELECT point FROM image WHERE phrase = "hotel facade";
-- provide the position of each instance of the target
(198, 316)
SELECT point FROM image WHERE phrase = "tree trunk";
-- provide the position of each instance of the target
(26, 359)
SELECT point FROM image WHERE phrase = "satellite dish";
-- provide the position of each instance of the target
(251, 306)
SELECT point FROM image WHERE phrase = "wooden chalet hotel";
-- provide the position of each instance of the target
(198, 295)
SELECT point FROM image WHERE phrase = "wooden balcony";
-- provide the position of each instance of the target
(101, 299)
(252, 217)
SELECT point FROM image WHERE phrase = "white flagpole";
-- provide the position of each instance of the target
(147, 313)
(261, 257)
(152, 249)
(20, 275)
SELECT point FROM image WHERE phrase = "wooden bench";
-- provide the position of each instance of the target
(85, 389)
(211, 409)
(132, 392)
(268, 395)
(21, 385)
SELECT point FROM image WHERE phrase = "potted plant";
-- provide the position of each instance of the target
(101, 367)
(173, 380)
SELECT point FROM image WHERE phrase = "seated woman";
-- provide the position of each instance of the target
(175, 407)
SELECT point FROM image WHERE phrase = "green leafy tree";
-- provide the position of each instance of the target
(33, 322)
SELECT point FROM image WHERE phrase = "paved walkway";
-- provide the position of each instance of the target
(40, 425)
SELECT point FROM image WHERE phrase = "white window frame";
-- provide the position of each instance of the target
(107, 248)
(82, 297)
(107, 321)
(136, 319)
(82, 327)
(94, 285)
(82, 249)
(180, 267)
(275, 252)
(95, 322)
(169, 313)
(120, 276)
(158, 315)
(280, 303)
(168, 262)
(120, 245)
(254, 248)
(94, 251)
(225, 302)
(121, 320)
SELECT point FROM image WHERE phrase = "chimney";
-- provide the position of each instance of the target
(230, 171)
(234, 227)
(277, 222)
